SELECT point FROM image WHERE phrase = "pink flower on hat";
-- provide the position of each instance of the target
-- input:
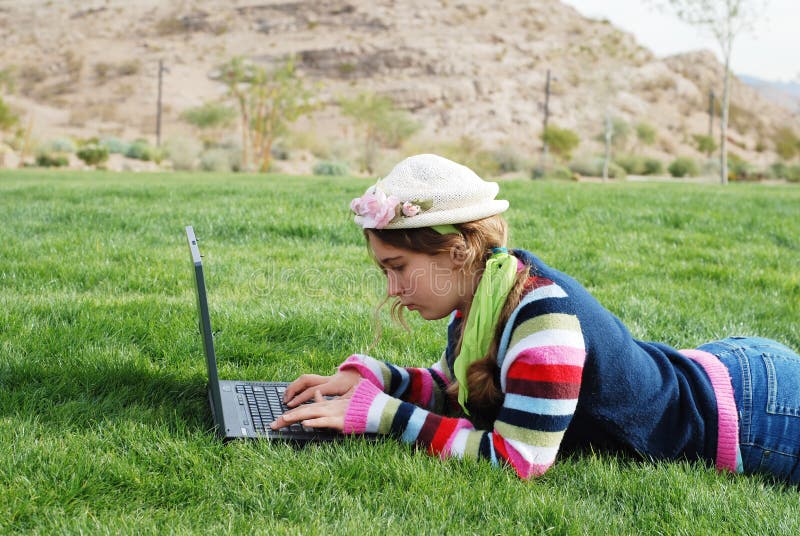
(376, 208)
(410, 209)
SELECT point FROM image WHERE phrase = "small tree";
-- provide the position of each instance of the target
(645, 134)
(724, 20)
(560, 141)
(235, 75)
(212, 117)
(93, 154)
(787, 144)
(705, 144)
(277, 98)
(382, 122)
(8, 119)
(268, 101)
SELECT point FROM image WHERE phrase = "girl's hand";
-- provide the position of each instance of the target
(307, 386)
(323, 413)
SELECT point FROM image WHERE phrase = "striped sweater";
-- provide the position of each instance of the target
(541, 358)
(572, 376)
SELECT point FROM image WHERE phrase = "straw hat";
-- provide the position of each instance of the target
(427, 190)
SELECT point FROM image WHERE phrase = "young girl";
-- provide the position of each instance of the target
(534, 364)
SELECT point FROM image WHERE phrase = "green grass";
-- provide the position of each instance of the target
(104, 425)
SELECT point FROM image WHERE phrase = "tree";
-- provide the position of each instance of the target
(724, 20)
(561, 141)
(268, 101)
(382, 122)
(235, 74)
(277, 98)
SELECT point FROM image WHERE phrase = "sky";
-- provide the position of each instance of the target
(771, 51)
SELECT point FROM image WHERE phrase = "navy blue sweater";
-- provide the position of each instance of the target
(635, 396)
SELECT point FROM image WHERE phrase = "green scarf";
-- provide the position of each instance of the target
(490, 296)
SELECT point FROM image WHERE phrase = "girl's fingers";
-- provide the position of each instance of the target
(335, 423)
(301, 384)
(311, 393)
(322, 414)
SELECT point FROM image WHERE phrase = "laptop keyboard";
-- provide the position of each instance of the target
(266, 404)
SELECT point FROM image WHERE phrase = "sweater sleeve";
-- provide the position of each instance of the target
(540, 378)
(424, 387)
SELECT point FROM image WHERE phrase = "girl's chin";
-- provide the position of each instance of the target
(428, 315)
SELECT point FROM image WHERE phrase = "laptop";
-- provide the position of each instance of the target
(243, 409)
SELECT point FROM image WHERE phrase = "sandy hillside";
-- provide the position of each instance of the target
(462, 68)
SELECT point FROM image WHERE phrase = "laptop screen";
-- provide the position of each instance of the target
(205, 323)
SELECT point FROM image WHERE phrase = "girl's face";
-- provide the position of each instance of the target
(433, 285)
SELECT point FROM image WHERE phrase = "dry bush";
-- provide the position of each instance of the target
(129, 67)
(29, 77)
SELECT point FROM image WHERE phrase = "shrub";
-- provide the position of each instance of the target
(787, 144)
(279, 152)
(593, 167)
(646, 133)
(8, 118)
(93, 154)
(683, 166)
(508, 159)
(640, 165)
(632, 164)
(217, 160)
(469, 151)
(560, 173)
(129, 68)
(329, 167)
(741, 170)
(59, 145)
(705, 144)
(210, 115)
(615, 171)
(140, 150)
(587, 166)
(561, 141)
(115, 145)
(781, 170)
(653, 166)
(183, 152)
(51, 160)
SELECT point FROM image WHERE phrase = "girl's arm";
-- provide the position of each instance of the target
(424, 387)
(540, 377)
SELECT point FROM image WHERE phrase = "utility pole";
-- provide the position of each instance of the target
(710, 116)
(161, 71)
(543, 165)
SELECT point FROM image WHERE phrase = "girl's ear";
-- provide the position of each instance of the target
(458, 254)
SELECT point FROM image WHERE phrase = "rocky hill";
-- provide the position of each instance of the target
(472, 68)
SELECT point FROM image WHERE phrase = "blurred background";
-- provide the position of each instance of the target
(512, 88)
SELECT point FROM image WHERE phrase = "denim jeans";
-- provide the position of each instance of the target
(766, 385)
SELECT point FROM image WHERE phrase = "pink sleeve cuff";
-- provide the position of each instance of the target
(355, 419)
(354, 362)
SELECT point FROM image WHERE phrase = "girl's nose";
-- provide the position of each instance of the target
(392, 286)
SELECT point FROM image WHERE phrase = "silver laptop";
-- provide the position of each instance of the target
(243, 409)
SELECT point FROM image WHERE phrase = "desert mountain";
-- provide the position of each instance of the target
(461, 67)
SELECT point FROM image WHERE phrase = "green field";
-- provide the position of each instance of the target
(104, 424)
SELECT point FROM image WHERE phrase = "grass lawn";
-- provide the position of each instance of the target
(104, 424)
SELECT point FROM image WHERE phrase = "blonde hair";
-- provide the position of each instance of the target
(472, 247)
